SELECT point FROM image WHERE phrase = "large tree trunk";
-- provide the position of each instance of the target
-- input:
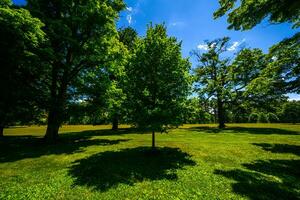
(153, 140)
(52, 126)
(115, 122)
(55, 115)
(221, 114)
(1, 130)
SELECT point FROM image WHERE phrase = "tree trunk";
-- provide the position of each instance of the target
(115, 122)
(221, 116)
(52, 126)
(1, 131)
(153, 140)
(55, 115)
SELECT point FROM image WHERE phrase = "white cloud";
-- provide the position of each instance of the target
(213, 45)
(129, 19)
(178, 23)
(235, 45)
(205, 47)
(132, 11)
(202, 47)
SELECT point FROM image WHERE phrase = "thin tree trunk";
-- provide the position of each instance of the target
(115, 122)
(153, 140)
(1, 131)
(221, 116)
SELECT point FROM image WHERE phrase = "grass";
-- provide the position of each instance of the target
(244, 161)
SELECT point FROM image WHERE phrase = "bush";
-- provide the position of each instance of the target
(272, 118)
(253, 118)
(262, 118)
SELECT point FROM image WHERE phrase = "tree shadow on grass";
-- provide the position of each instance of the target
(14, 148)
(105, 132)
(271, 179)
(128, 166)
(268, 179)
(280, 148)
(263, 131)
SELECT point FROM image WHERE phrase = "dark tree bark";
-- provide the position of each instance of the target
(52, 126)
(153, 140)
(1, 131)
(221, 114)
(115, 122)
(56, 109)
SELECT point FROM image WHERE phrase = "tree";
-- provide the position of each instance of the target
(20, 72)
(158, 80)
(196, 112)
(249, 94)
(245, 14)
(116, 94)
(80, 34)
(284, 64)
(284, 57)
(212, 75)
(291, 112)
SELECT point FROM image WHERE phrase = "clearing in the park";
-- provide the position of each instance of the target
(243, 161)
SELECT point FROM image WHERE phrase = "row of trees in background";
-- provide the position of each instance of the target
(66, 62)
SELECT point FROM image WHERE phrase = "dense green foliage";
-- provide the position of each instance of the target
(81, 34)
(195, 162)
(20, 39)
(291, 112)
(245, 14)
(80, 70)
(282, 70)
(158, 81)
(284, 67)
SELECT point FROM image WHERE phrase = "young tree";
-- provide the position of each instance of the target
(20, 39)
(80, 35)
(212, 75)
(158, 82)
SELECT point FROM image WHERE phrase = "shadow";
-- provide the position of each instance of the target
(263, 131)
(271, 179)
(14, 148)
(107, 132)
(280, 148)
(128, 166)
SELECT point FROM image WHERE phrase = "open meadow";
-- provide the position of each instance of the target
(243, 161)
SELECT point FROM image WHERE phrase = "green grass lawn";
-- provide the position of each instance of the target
(244, 161)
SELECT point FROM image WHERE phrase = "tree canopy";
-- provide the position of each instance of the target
(159, 81)
(81, 34)
(21, 36)
(245, 14)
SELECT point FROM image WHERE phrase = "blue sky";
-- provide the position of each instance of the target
(191, 21)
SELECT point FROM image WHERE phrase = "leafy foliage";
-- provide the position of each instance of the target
(245, 14)
(81, 34)
(291, 112)
(158, 80)
(21, 36)
(213, 75)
